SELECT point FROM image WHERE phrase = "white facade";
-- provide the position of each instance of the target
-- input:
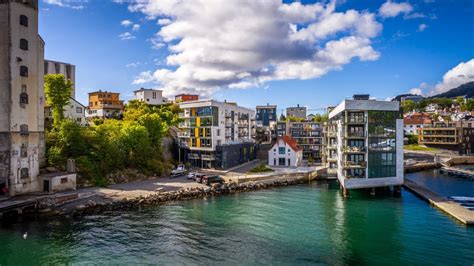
(298, 112)
(412, 129)
(283, 154)
(68, 70)
(150, 96)
(74, 110)
(232, 126)
(22, 143)
(366, 146)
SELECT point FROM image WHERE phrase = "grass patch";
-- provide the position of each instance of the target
(416, 147)
(261, 168)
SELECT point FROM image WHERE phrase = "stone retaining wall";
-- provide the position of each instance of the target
(156, 199)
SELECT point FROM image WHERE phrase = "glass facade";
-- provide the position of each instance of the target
(382, 143)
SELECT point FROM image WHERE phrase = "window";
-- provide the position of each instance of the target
(24, 20)
(24, 173)
(23, 151)
(79, 110)
(23, 44)
(64, 180)
(154, 95)
(23, 71)
(23, 129)
(23, 98)
(281, 150)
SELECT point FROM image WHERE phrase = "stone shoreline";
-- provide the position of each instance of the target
(165, 197)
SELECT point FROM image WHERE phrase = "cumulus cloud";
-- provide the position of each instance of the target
(126, 36)
(74, 4)
(460, 74)
(246, 43)
(135, 27)
(422, 27)
(391, 9)
(126, 23)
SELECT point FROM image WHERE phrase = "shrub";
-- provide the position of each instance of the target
(261, 169)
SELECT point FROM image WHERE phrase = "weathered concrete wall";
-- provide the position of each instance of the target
(57, 184)
(460, 160)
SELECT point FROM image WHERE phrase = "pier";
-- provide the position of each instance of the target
(457, 171)
(450, 207)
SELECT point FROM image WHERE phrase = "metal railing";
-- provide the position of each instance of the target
(357, 134)
(355, 164)
(354, 149)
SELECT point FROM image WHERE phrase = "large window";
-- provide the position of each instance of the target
(23, 71)
(281, 150)
(382, 143)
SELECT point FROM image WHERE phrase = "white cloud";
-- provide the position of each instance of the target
(136, 27)
(126, 23)
(460, 74)
(126, 36)
(74, 4)
(391, 9)
(422, 27)
(164, 21)
(416, 91)
(133, 64)
(211, 46)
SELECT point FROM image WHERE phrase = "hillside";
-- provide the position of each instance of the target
(466, 89)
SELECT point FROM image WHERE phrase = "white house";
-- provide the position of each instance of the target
(150, 96)
(285, 152)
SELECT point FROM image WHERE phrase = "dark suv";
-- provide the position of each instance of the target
(208, 180)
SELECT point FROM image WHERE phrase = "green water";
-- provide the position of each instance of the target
(305, 224)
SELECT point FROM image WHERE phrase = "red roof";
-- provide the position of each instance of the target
(291, 142)
(416, 120)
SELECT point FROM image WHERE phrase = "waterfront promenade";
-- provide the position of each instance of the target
(448, 206)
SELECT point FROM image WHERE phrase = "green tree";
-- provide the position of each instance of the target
(58, 91)
(408, 106)
(468, 106)
(459, 100)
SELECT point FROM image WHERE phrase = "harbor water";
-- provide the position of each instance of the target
(303, 224)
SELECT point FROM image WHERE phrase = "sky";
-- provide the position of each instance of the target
(311, 53)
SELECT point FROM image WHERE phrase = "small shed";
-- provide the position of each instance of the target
(57, 182)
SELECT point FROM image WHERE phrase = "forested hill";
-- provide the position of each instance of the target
(466, 89)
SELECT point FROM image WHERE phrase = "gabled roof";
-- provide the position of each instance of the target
(290, 142)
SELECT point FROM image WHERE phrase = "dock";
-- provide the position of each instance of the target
(457, 171)
(450, 207)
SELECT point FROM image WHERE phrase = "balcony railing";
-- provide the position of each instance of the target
(183, 135)
(354, 149)
(361, 164)
(229, 124)
(331, 134)
(356, 119)
(355, 134)
(207, 157)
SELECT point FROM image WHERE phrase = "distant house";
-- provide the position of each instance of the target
(285, 152)
(150, 96)
(413, 123)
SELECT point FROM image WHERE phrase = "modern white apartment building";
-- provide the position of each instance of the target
(68, 70)
(215, 134)
(22, 143)
(150, 96)
(365, 143)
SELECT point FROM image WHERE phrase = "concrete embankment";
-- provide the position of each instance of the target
(450, 207)
(420, 167)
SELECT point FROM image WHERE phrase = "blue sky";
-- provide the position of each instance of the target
(399, 54)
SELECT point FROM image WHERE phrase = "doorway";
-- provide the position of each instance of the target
(46, 185)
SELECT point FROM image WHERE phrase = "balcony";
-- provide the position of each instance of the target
(332, 146)
(355, 134)
(229, 124)
(208, 157)
(228, 114)
(356, 120)
(183, 135)
(351, 164)
(332, 159)
(349, 149)
(331, 134)
(183, 125)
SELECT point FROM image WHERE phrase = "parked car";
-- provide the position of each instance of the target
(199, 177)
(191, 176)
(179, 171)
(208, 180)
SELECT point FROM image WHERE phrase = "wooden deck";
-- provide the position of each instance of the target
(450, 207)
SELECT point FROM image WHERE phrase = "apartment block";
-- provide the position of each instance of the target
(365, 143)
(65, 69)
(297, 112)
(309, 137)
(215, 134)
(150, 96)
(22, 143)
(265, 119)
(467, 137)
(104, 104)
(441, 135)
